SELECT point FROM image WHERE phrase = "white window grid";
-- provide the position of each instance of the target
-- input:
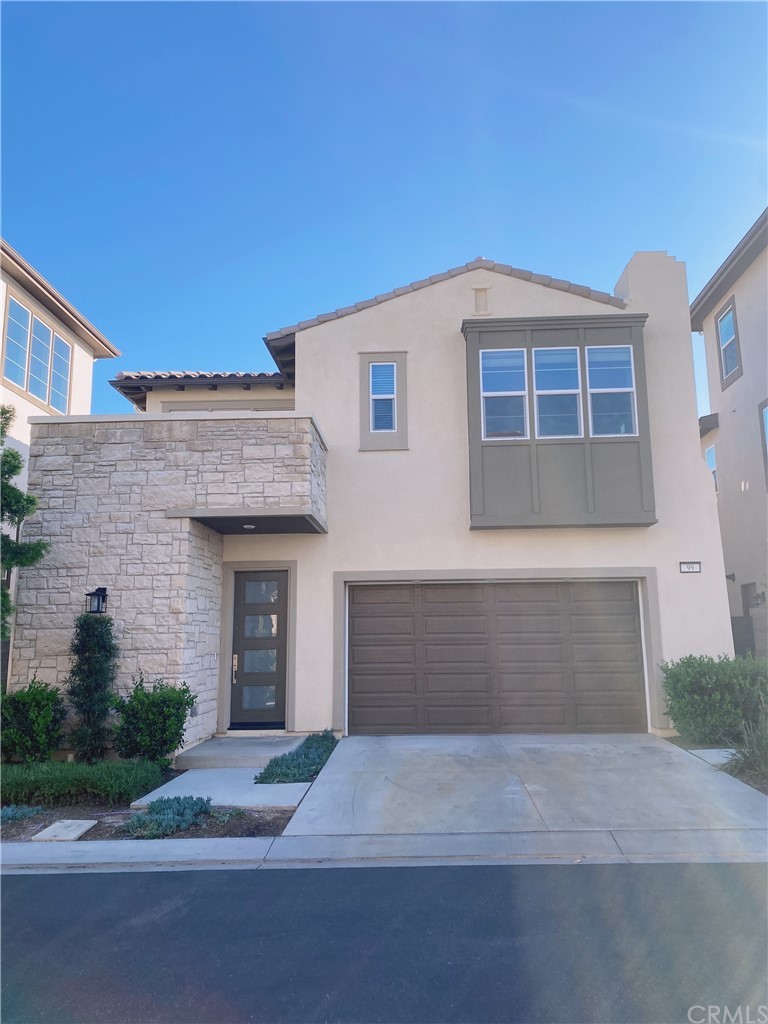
(506, 394)
(559, 391)
(29, 375)
(613, 391)
(373, 398)
(726, 342)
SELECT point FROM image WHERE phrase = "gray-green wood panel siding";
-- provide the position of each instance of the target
(495, 657)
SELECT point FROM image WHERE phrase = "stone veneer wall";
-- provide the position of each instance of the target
(104, 487)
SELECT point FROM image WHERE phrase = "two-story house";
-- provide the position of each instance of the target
(732, 312)
(475, 503)
(47, 350)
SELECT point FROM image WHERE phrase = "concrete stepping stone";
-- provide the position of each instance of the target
(63, 831)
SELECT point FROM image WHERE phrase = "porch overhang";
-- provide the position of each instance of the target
(243, 522)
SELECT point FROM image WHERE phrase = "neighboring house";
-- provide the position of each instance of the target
(732, 312)
(472, 504)
(47, 353)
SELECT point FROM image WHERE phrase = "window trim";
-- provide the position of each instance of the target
(505, 394)
(578, 392)
(612, 391)
(726, 381)
(388, 397)
(383, 440)
(56, 334)
(713, 467)
(761, 411)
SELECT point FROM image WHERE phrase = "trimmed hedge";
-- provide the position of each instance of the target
(64, 782)
(302, 764)
(31, 720)
(710, 699)
(152, 719)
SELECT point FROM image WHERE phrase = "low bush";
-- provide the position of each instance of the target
(17, 812)
(64, 782)
(302, 764)
(152, 720)
(709, 699)
(167, 815)
(749, 760)
(31, 720)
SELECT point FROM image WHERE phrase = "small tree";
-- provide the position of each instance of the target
(15, 507)
(94, 654)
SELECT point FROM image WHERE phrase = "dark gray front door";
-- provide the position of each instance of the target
(496, 657)
(258, 650)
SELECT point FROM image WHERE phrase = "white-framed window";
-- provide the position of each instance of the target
(504, 391)
(611, 387)
(730, 357)
(36, 358)
(557, 390)
(383, 397)
(709, 458)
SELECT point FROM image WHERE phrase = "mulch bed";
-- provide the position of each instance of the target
(110, 820)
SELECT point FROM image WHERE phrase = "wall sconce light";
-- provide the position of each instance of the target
(96, 601)
(731, 576)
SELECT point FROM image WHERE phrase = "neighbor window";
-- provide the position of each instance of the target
(728, 344)
(709, 456)
(36, 358)
(557, 384)
(383, 401)
(611, 386)
(503, 385)
(383, 391)
(763, 413)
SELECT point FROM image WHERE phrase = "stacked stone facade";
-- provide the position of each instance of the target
(105, 486)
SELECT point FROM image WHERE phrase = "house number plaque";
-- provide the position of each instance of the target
(690, 567)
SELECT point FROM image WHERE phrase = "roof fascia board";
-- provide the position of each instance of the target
(725, 277)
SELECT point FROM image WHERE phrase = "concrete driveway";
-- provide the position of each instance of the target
(630, 788)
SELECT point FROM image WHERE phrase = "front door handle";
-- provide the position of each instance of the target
(234, 669)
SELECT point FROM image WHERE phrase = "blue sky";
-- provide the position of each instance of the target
(193, 175)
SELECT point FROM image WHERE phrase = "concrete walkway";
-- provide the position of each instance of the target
(474, 800)
(236, 752)
(229, 787)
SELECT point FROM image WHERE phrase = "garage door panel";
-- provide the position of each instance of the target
(376, 654)
(382, 685)
(451, 625)
(457, 683)
(538, 682)
(484, 657)
(518, 625)
(394, 625)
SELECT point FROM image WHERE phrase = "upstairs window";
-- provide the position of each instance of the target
(557, 384)
(383, 391)
(709, 456)
(37, 360)
(728, 344)
(611, 386)
(504, 393)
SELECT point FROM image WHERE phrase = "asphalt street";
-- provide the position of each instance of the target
(554, 944)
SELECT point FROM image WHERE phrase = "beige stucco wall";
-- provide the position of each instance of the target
(260, 398)
(738, 443)
(407, 512)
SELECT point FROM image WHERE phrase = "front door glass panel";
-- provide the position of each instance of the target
(259, 648)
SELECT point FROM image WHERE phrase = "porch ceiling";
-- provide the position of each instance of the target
(254, 521)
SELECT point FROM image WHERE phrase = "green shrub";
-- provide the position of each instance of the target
(167, 815)
(749, 760)
(17, 812)
(709, 699)
(61, 782)
(152, 720)
(94, 653)
(302, 764)
(31, 720)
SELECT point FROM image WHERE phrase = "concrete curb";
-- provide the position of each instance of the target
(586, 847)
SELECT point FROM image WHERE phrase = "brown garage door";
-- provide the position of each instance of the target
(495, 657)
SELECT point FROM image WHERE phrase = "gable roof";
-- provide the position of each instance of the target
(726, 275)
(25, 275)
(281, 344)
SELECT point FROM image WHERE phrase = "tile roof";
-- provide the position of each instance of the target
(476, 264)
(191, 375)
